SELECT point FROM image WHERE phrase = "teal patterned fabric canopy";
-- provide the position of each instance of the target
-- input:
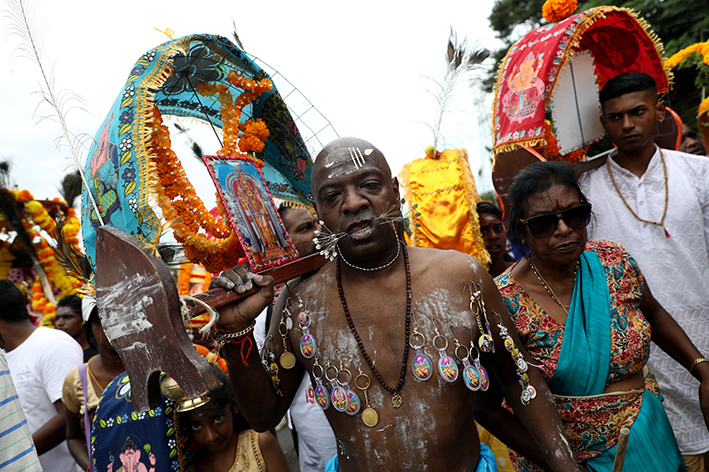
(117, 166)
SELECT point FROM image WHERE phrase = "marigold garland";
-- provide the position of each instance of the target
(217, 247)
(254, 137)
(701, 48)
(703, 107)
(36, 214)
(182, 207)
(556, 10)
(552, 148)
(231, 110)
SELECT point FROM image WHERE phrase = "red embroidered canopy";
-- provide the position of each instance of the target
(618, 42)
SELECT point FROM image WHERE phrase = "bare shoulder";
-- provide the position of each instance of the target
(314, 282)
(442, 263)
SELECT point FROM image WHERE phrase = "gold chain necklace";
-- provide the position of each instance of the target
(667, 195)
(546, 285)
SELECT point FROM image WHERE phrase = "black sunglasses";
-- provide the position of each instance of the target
(576, 217)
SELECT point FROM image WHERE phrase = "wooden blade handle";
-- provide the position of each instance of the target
(219, 297)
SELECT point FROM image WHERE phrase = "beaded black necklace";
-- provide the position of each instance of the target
(396, 391)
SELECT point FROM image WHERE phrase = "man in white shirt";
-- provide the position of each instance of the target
(39, 359)
(655, 202)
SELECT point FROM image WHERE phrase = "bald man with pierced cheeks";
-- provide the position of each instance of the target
(365, 309)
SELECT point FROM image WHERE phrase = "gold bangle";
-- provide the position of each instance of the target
(696, 362)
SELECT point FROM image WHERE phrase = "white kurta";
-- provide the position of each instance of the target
(676, 268)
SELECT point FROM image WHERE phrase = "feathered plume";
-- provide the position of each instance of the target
(461, 58)
(74, 262)
(24, 23)
(236, 36)
(71, 187)
(196, 148)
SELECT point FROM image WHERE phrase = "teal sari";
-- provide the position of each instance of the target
(583, 370)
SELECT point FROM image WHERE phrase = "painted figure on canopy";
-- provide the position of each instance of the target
(526, 89)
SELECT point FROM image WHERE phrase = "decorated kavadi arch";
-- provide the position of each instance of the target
(132, 168)
(561, 67)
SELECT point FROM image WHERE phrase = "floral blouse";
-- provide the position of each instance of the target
(592, 422)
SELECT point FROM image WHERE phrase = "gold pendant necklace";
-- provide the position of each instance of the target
(667, 195)
(546, 285)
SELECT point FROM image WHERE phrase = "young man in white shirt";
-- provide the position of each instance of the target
(655, 202)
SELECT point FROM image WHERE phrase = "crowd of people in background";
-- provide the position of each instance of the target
(596, 245)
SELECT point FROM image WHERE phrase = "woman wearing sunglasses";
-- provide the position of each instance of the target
(586, 317)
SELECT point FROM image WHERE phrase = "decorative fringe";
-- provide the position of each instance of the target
(599, 13)
(472, 196)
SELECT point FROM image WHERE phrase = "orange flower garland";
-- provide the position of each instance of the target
(66, 285)
(703, 107)
(556, 10)
(254, 137)
(72, 226)
(39, 216)
(217, 247)
(697, 48)
(231, 109)
(181, 206)
(552, 147)
(701, 48)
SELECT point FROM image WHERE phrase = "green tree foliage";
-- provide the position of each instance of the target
(678, 23)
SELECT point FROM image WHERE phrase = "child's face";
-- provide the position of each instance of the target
(209, 429)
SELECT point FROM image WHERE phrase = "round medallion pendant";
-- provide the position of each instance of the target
(485, 343)
(370, 417)
(353, 403)
(322, 396)
(509, 344)
(287, 360)
(396, 401)
(526, 397)
(484, 379)
(532, 391)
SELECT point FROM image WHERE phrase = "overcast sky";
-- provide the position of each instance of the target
(362, 64)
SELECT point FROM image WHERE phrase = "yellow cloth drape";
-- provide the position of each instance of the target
(445, 193)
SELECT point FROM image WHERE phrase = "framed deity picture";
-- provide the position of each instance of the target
(251, 211)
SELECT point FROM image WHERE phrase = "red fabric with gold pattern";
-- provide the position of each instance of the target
(618, 41)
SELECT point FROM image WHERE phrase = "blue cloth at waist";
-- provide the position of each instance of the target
(486, 461)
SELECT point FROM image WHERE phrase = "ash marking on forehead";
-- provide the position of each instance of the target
(345, 156)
